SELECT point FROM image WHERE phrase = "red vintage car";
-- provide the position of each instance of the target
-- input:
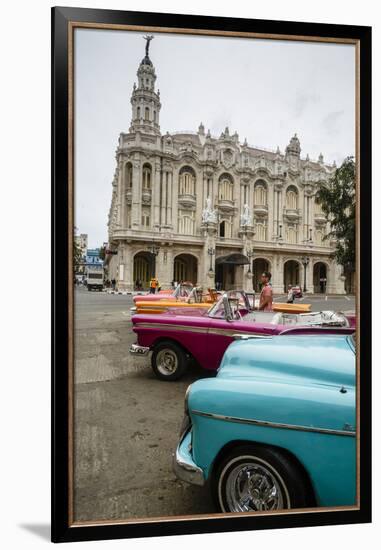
(175, 339)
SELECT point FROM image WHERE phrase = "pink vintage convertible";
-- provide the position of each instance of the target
(175, 340)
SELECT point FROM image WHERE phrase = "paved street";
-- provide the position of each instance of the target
(127, 421)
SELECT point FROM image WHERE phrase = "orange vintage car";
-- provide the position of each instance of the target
(198, 303)
(197, 299)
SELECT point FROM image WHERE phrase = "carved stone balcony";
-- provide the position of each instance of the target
(260, 210)
(292, 214)
(188, 201)
(226, 205)
(320, 218)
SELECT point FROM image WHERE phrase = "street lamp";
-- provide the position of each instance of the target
(305, 262)
(250, 254)
(154, 248)
(211, 253)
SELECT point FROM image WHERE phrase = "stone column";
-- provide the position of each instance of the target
(277, 274)
(163, 198)
(127, 282)
(121, 186)
(175, 195)
(270, 213)
(156, 195)
(164, 271)
(169, 199)
(335, 278)
(136, 213)
(160, 266)
(309, 277)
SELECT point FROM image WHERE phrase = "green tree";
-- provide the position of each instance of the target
(77, 256)
(338, 202)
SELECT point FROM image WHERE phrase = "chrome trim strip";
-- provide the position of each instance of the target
(203, 330)
(274, 424)
(183, 328)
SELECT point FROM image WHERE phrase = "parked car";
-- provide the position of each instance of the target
(175, 339)
(276, 428)
(182, 291)
(297, 291)
(197, 299)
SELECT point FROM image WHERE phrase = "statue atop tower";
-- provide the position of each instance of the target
(145, 100)
(148, 38)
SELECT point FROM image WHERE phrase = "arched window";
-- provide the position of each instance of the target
(260, 193)
(186, 223)
(146, 113)
(225, 188)
(147, 176)
(128, 175)
(292, 235)
(146, 218)
(292, 198)
(154, 116)
(187, 181)
(261, 232)
(138, 113)
(225, 229)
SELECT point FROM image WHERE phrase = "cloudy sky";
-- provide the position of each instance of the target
(266, 90)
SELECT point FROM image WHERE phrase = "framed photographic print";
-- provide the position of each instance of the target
(211, 274)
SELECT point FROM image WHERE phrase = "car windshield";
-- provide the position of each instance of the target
(217, 311)
(182, 291)
(237, 302)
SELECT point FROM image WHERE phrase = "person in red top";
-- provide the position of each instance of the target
(266, 297)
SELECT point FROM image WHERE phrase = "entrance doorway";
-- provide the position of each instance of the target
(259, 266)
(291, 275)
(185, 268)
(229, 271)
(144, 268)
(320, 278)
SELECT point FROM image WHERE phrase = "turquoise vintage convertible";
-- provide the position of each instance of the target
(276, 428)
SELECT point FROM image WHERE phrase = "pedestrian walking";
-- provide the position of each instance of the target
(113, 283)
(290, 295)
(266, 296)
(152, 285)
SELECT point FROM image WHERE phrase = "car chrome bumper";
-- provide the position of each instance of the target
(135, 349)
(183, 465)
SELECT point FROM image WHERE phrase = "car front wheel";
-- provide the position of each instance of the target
(169, 361)
(254, 478)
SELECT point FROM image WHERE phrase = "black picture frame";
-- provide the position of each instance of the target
(62, 529)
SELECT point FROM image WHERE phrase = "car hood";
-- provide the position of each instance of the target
(327, 360)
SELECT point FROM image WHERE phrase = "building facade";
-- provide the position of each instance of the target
(214, 210)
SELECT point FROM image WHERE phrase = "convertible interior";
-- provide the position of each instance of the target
(318, 318)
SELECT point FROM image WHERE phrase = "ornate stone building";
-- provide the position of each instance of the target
(191, 206)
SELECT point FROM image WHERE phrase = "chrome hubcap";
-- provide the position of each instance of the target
(253, 487)
(166, 362)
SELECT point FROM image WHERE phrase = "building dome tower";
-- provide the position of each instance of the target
(145, 100)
